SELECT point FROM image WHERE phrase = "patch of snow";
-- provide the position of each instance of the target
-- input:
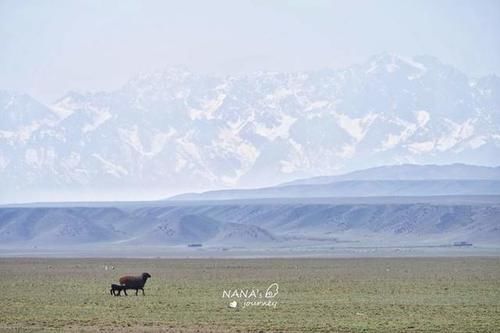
(41, 157)
(355, 127)
(457, 133)
(131, 137)
(395, 64)
(111, 168)
(101, 116)
(230, 143)
(477, 141)
(279, 94)
(423, 118)
(409, 129)
(391, 68)
(6, 134)
(64, 108)
(413, 63)
(188, 148)
(21, 135)
(421, 69)
(297, 159)
(158, 141)
(280, 131)
(316, 105)
(208, 108)
(421, 147)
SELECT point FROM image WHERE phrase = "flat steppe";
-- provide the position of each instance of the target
(315, 295)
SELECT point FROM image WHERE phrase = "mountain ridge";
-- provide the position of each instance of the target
(383, 181)
(453, 171)
(251, 225)
(178, 131)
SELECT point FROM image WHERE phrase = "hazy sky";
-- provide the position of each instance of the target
(50, 47)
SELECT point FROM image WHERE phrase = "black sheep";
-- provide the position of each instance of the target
(117, 288)
(135, 282)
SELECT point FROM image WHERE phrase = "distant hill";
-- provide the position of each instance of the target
(252, 224)
(410, 172)
(401, 180)
(56, 226)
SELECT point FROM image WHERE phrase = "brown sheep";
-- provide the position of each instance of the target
(135, 282)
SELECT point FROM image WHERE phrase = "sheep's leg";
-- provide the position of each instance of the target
(125, 291)
(136, 292)
(142, 291)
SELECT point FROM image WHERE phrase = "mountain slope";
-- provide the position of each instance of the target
(357, 188)
(386, 181)
(410, 172)
(251, 225)
(77, 226)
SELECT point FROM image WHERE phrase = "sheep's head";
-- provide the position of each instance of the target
(145, 276)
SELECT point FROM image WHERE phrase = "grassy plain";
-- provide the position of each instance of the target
(315, 295)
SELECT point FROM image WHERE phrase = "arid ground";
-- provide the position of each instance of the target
(315, 295)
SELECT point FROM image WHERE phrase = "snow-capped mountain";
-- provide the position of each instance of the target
(176, 131)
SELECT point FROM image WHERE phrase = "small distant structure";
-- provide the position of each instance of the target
(462, 243)
(195, 245)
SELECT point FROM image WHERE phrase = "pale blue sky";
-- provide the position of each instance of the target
(50, 47)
